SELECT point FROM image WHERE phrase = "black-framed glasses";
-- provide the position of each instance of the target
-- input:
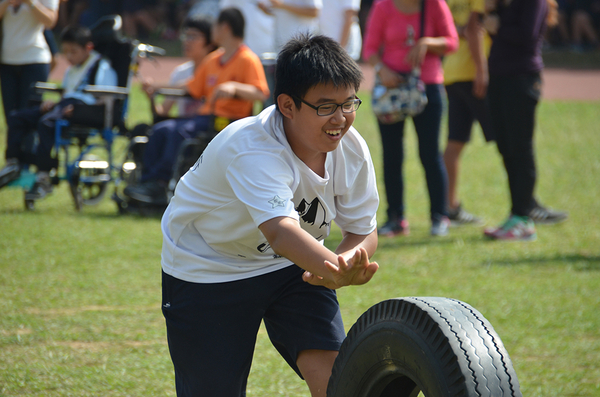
(328, 109)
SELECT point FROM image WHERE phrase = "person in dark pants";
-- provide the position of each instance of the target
(515, 66)
(25, 56)
(427, 126)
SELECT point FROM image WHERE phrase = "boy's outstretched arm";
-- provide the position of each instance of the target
(349, 265)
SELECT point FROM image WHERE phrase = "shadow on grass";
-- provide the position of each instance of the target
(580, 262)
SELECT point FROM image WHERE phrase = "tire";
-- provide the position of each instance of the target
(435, 346)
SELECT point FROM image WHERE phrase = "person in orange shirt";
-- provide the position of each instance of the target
(228, 82)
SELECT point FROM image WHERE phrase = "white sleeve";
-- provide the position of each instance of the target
(263, 182)
(106, 75)
(50, 4)
(357, 200)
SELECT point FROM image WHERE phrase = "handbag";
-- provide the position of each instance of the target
(392, 105)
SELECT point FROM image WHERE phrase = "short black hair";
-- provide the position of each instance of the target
(201, 23)
(307, 61)
(235, 19)
(76, 34)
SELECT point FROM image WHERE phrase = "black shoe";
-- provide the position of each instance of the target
(10, 172)
(152, 192)
(40, 189)
(544, 215)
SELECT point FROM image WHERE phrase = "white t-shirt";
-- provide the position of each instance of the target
(259, 29)
(76, 78)
(23, 41)
(331, 23)
(187, 107)
(288, 24)
(247, 175)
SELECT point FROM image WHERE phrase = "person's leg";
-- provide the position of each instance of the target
(211, 333)
(516, 146)
(460, 122)
(164, 143)
(427, 126)
(305, 325)
(31, 74)
(20, 123)
(512, 101)
(392, 144)
(315, 366)
(9, 76)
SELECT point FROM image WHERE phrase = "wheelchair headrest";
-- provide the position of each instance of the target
(107, 28)
(108, 41)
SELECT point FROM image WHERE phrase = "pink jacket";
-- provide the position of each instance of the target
(389, 30)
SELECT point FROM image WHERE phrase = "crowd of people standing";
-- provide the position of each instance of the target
(451, 55)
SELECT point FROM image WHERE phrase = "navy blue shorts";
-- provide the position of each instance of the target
(463, 110)
(212, 328)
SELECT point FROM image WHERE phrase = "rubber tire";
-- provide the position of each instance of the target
(438, 346)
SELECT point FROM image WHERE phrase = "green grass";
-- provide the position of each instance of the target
(81, 291)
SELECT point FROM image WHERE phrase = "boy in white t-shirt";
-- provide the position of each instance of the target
(243, 234)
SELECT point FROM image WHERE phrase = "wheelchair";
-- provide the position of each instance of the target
(85, 145)
(187, 155)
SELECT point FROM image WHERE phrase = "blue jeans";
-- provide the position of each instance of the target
(427, 124)
(164, 141)
(16, 84)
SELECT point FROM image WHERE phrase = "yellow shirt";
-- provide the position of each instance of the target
(459, 65)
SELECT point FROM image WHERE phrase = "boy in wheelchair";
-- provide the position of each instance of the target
(87, 67)
(229, 80)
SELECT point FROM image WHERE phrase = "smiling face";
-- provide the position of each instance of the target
(312, 136)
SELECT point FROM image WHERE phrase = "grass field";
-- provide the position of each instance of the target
(81, 291)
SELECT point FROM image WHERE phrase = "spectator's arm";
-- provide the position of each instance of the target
(311, 12)
(474, 37)
(349, 18)
(42, 13)
(234, 89)
(3, 7)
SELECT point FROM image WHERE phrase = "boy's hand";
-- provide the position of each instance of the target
(68, 111)
(356, 271)
(46, 106)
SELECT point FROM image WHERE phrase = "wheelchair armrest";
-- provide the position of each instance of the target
(173, 92)
(40, 87)
(107, 91)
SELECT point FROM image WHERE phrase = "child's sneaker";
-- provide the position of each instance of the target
(10, 172)
(439, 227)
(41, 188)
(516, 228)
(394, 227)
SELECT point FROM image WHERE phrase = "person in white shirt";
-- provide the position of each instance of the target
(243, 234)
(87, 67)
(338, 19)
(25, 56)
(292, 17)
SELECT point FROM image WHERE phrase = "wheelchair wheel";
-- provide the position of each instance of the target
(88, 181)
